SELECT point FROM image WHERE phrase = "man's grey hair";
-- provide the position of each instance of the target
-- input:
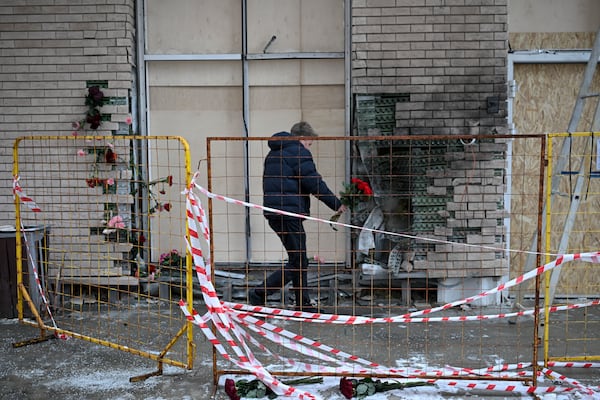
(302, 128)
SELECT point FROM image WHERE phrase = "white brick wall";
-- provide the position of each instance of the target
(50, 49)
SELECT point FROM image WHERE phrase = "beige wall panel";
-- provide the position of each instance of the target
(194, 73)
(324, 97)
(544, 104)
(268, 122)
(193, 26)
(275, 98)
(194, 114)
(299, 26)
(563, 41)
(329, 97)
(274, 109)
(553, 15)
(323, 72)
(281, 107)
(322, 25)
(195, 99)
(296, 72)
(265, 244)
(204, 98)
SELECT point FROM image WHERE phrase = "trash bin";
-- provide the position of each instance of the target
(36, 239)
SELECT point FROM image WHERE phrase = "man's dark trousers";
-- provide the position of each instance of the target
(293, 237)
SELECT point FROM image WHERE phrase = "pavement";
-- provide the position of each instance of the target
(76, 369)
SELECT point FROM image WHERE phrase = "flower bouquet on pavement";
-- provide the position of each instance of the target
(361, 388)
(255, 389)
(354, 192)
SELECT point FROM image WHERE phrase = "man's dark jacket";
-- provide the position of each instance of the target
(290, 177)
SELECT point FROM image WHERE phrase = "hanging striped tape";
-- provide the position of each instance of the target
(233, 320)
(28, 201)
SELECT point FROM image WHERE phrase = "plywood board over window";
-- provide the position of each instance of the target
(544, 104)
(197, 92)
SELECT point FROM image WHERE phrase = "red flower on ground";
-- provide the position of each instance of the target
(170, 180)
(346, 387)
(365, 387)
(231, 390)
(167, 207)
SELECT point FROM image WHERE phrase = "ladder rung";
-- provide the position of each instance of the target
(585, 96)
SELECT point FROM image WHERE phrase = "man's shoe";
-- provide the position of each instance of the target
(256, 299)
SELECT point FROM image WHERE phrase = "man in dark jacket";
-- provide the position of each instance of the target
(290, 177)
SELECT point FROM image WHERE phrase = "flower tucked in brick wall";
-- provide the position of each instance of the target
(94, 100)
(113, 170)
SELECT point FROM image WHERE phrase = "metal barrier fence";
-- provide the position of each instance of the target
(413, 282)
(573, 226)
(109, 265)
(447, 230)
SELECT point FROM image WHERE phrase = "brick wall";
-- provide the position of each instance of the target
(448, 55)
(446, 61)
(50, 50)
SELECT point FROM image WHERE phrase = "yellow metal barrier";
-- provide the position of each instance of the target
(104, 259)
(572, 226)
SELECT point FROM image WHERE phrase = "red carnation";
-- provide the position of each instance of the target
(167, 207)
(362, 186)
(170, 180)
(110, 156)
(231, 390)
(355, 192)
(346, 387)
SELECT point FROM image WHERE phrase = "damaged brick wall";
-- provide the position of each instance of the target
(446, 60)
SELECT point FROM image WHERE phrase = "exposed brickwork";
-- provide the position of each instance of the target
(49, 50)
(450, 56)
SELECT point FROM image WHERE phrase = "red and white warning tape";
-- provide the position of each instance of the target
(28, 201)
(564, 380)
(217, 313)
(234, 319)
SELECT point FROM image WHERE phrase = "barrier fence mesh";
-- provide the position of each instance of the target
(418, 279)
(107, 245)
(440, 226)
(573, 196)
